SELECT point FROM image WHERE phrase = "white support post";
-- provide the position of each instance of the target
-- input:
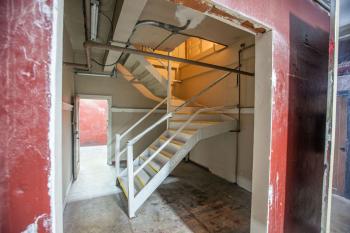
(117, 154)
(169, 93)
(130, 164)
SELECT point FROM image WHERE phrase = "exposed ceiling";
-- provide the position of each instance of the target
(74, 21)
(146, 35)
(166, 12)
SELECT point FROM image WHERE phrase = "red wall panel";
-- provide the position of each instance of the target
(25, 44)
(93, 122)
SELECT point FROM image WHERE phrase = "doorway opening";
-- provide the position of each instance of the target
(92, 175)
(224, 73)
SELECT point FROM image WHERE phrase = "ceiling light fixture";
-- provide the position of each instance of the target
(94, 19)
(84, 73)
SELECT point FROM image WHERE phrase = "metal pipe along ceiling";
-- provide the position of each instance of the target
(90, 44)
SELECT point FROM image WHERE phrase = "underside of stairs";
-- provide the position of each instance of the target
(146, 79)
(148, 178)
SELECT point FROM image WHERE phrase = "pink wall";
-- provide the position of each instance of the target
(25, 44)
(93, 122)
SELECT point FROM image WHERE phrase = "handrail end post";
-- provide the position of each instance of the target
(117, 154)
(130, 167)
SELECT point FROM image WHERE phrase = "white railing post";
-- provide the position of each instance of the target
(130, 166)
(117, 154)
(169, 93)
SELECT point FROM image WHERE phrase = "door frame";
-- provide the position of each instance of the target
(109, 121)
(76, 138)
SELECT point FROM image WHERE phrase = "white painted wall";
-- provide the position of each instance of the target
(124, 95)
(262, 132)
(219, 153)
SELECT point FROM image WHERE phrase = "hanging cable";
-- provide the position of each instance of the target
(103, 65)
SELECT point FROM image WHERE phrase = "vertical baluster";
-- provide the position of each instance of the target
(117, 154)
(130, 164)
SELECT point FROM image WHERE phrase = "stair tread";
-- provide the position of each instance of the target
(173, 141)
(202, 113)
(143, 177)
(185, 131)
(152, 165)
(165, 154)
(198, 121)
(123, 182)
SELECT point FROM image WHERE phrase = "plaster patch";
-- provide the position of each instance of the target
(33, 228)
(273, 81)
(270, 195)
(183, 14)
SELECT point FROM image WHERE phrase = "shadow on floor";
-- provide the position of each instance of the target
(193, 201)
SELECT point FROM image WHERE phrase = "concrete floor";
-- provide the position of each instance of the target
(340, 218)
(95, 178)
(193, 200)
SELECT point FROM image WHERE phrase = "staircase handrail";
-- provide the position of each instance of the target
(184, 125)
(119, 137)
(193, 98)
(130, 144)
(143, 118)
(169, 115)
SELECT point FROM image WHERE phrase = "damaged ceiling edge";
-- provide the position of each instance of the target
(223, 13)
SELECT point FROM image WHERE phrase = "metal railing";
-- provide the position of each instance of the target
(130, 151)
(118, 137)
(130, 144)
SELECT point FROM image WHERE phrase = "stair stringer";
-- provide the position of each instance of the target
(201, 134)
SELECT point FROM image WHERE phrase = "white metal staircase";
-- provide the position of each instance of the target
(186, 127)
(146, 79)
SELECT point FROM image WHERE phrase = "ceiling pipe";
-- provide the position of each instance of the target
(91, 44)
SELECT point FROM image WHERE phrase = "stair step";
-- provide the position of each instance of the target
(152, 168)
(192, 125)
(165, 155)
(189, 132)
(143, 177)
(138, 70)
(123, 182)
(142, 75)
(147, 78)
(173, 141)
(196, 122)
(181, 136)
(134, 66)
(173, 146)
(205, 116)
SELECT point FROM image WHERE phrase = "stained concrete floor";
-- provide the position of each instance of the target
(194, 201)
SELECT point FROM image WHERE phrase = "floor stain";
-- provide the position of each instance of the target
(197, 202)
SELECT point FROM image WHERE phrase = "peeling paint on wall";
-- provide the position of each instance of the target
(33, 228)
(25, 44)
